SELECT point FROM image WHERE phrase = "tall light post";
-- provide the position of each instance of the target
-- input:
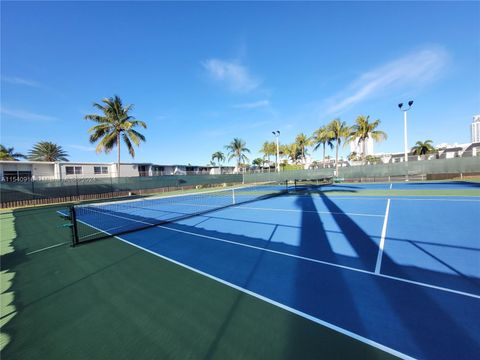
(277, 134)
(405, 141)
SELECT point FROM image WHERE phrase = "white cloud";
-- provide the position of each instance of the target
(20, 81)
(26, 115)
(412, 70)
(253, 105)
(234, 75)
(82, 147)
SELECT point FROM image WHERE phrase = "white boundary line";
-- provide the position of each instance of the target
(468, 198)
(47, 248)
(268, 300)
(296, 256)
(382, 240)
(391, 185)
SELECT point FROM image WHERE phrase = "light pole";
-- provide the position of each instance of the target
(405, 109)
(277, 134)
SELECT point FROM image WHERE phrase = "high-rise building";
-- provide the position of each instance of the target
(475, 130)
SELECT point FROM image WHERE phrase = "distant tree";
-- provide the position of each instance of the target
(338, 131)
(9, 154)
(321, 136)
(47, 151)
(352, 156)
(302, 141)
(373, 159)
(115, 123)
(423, 147)
(258, 161)
(237, 149)
(220, 157)
(363, 130)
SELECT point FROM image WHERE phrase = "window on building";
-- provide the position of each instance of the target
(157, 170)
(73, 170)
(100, 170)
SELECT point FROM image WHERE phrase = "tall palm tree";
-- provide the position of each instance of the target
(47, 151)
(220, 157)
(423, 147)
(363, 130)
(321, 136)
(265, 150)
(302, 141)
(10, 154)
(338, 131)
(237, 148)
(115, 122)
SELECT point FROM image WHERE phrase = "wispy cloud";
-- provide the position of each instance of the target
(26, 115)
(410, 71)
(82, 147)
(234, 75)
(253, 105)
(20, 81)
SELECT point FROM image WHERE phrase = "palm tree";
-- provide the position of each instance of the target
(422, 148)
(9, 154)
(338, 131)
(321, 136)
(47, 151)
(115, 122)
(302, 141)
(265, 150)
(292, 151)
(268, 149)
(220, 157)
(364, 130)
(237, 149)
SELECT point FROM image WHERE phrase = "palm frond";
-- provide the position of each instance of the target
(130, 148)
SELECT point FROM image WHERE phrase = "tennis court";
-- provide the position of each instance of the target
(272, 271)
(399, 273)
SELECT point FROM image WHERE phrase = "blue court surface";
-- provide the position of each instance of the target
(399, 273)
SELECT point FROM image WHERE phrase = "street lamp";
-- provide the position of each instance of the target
(405, 109)
(277, 134)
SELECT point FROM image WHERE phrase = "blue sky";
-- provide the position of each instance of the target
(201, 74)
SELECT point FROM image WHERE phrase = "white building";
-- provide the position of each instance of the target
(475, 129)
(357, 147)
(44, 170)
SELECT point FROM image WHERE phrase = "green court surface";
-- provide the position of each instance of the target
(109, 300)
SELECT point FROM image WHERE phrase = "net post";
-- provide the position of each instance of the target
(73, 218)
(233, 196)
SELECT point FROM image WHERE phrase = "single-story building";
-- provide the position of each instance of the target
(45, 170)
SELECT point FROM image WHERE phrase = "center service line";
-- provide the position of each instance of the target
(382, 240)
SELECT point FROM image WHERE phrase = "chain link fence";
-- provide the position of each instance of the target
(30, 192)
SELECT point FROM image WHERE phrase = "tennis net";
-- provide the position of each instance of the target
(312, 184)
(100, 220)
